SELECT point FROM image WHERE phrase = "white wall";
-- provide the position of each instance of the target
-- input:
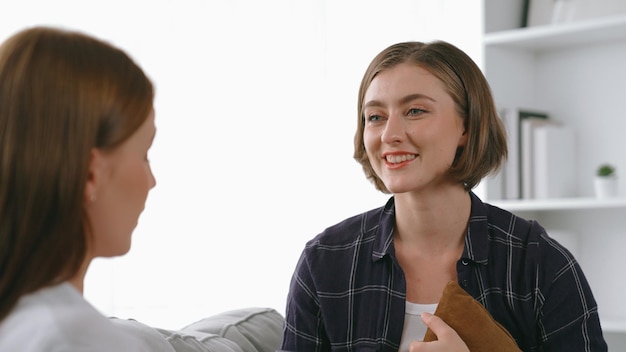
(256, 105)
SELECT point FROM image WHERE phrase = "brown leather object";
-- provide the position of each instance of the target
(472, 322)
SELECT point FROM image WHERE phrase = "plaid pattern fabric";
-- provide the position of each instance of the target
(348, 291)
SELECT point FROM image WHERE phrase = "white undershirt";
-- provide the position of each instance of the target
(414, 328)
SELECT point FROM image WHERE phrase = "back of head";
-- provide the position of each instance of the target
(62, 94)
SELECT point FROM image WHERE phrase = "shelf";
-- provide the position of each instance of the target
(560, 35)
(559, 204)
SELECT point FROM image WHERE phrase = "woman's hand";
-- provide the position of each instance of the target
(447, 338)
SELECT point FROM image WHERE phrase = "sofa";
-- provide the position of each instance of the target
(252, 329)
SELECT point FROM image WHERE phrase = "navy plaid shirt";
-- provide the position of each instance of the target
(348, 291)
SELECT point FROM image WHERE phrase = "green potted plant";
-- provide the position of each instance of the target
(605, 170)
(605, 182)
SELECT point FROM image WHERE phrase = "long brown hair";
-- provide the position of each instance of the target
(62, 93)
(486, 146)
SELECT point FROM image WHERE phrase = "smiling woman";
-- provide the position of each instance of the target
(427, 132)
(442, 95)
(429, 117)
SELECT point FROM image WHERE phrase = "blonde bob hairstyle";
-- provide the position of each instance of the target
(486, 147)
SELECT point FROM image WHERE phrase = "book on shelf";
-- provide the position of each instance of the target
(510, 176)
(527, 142)
(554, 157)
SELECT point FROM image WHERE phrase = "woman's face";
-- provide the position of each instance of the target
(412, 129)
(121, 180)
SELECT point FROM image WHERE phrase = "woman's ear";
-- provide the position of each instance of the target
(464, 136)
(463, 139)
(96, 164)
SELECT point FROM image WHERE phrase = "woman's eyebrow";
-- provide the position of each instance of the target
(404, 100)
(416, 96)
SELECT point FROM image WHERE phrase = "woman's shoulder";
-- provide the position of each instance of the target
(351, 229)
(503, 222)
(59, 318)
(507, 227)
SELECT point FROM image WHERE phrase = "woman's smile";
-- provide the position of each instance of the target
(398, 160)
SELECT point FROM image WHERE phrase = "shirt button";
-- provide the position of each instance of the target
(464, 262)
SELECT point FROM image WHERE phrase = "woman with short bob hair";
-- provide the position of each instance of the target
(427, 133)
(486, 148)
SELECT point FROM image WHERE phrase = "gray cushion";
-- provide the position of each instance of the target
(241, 330)
(252, 329)
(162, 340)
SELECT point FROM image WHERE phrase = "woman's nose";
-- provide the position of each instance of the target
(394, 130)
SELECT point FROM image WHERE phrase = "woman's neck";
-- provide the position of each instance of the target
(78, 279)
(436, 222)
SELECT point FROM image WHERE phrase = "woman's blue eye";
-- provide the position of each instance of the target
(416, 111)
(374, 118)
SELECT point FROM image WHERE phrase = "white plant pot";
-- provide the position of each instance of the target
(605, 187)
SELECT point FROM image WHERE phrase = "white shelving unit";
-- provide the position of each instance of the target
(577, 73)
(561, 204)
(551, 37)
